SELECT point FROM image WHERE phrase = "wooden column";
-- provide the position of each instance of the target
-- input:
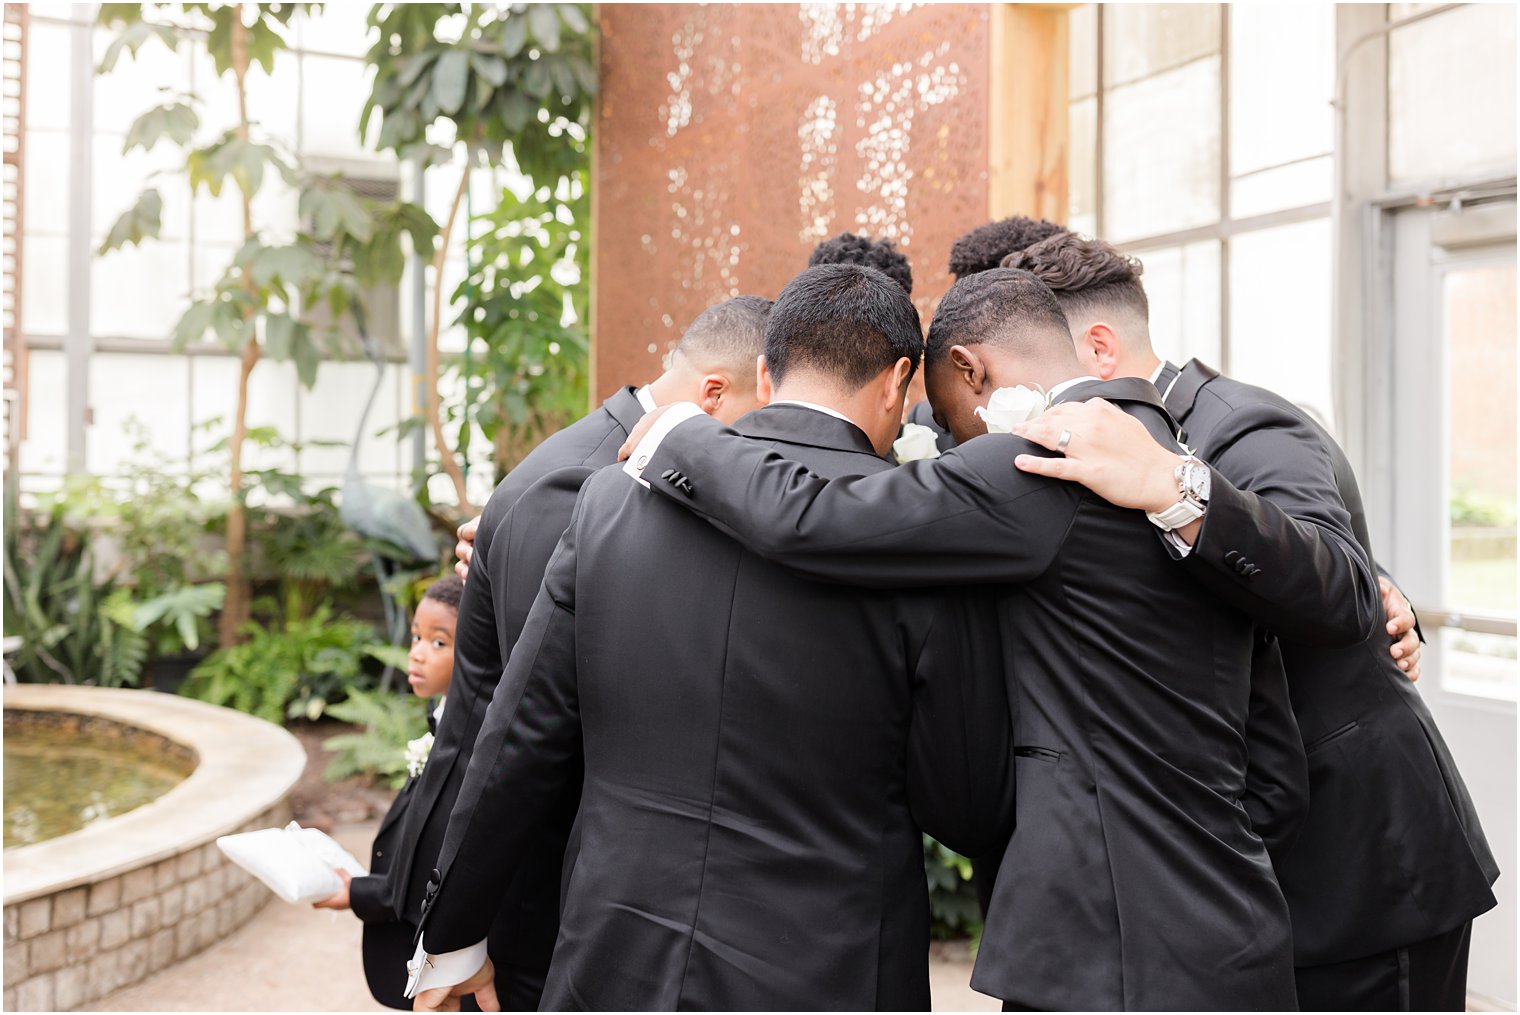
(1027, 111)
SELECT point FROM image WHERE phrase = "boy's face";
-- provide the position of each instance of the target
(430, 664)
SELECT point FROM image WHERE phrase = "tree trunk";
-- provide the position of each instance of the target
(430, 376)
(235, 607)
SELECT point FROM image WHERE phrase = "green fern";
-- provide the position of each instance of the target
(390, 721)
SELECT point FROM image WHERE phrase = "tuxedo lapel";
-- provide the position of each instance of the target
(1120, 389)
(1190, 380)
(624, 407)
(1165, 376)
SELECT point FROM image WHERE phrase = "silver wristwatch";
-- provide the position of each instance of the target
(1193, 480)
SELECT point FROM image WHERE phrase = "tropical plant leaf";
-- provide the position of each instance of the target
(142, 221)
(177, 121)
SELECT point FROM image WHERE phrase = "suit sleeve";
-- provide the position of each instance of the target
(960, 741)
(525, 757)
(370, 898)
(1276, 539)
(966, 517)
(1277, 771)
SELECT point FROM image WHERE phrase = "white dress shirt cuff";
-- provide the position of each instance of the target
(1182, 547)
(426, 971)
(678, 413)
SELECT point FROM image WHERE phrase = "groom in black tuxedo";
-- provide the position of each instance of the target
(760, 752)
(1133, 879)
(1390, 865)
(715, 364)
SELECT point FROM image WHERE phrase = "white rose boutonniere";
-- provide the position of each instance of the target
(917, 442)
(417, 752)
(1008, 407)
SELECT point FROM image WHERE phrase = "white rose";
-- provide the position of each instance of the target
(1008, 407)
(417, 752)
(917, 441)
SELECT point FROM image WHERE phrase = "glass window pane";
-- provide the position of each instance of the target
(271, 402)
(1290, 186)
(154, 76)
(1279, 117)
(45, 285)
(1182, 287)
(1082, 182)
(1478, 317)
(46, 194)
(49, 85)
(140, 292)
(45, 449)
(336, 28)
(1082, 49)
(1140, 40)
(1280, 313)
(1451, 94)
(273, 99)
(330, 412)
(117, 385)
(1161, 153)
(334, 91)
(119, 179)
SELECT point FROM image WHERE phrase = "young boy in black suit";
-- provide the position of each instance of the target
(387, 934)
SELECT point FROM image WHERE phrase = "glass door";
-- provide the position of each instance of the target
(1449, 539)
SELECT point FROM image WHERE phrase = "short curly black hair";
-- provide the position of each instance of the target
(447, 590)
(883, 255)
(984, 247)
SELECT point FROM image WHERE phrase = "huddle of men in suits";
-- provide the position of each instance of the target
(705, 702)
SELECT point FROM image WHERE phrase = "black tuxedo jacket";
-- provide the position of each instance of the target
(519, 528)
(1391, 851)
(388, 941)
(1133, 878)
(760, 755)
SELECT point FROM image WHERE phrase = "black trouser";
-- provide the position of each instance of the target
(1429, 975)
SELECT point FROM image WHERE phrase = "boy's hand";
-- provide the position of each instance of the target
(339, 899)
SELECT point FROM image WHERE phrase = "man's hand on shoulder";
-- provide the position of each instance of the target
(1107, 450)
(640, 431)
(465, 548)
(482, 985)
(1406, 641)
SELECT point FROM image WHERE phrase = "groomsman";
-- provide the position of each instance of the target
(1133, 879)
(760, 751)
(715, 365)
(883, 255)
(1391, 864)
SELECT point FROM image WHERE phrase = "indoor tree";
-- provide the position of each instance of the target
(280, 297)
(497, 81)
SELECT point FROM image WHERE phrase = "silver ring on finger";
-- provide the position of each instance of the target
(1064, 441)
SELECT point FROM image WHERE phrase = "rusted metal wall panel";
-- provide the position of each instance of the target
(732, 138)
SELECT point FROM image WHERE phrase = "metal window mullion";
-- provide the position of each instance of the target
(1224, 187)
(1098, 140)
(77, 343)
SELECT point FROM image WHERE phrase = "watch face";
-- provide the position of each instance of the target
(1199, 480)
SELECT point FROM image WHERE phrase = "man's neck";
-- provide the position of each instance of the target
(672, 386)
(820, 395)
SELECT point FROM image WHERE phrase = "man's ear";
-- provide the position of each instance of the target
(710, 393)
(1100, 347)
(969, 368)
(895, 385)
(762, 380)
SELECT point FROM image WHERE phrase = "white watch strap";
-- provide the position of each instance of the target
(1175, 517)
